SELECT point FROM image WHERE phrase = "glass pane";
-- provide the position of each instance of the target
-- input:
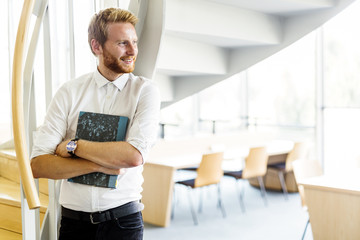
(85, 61)
(178, 118)
(9, 16)
(341, 144)
(5, 111)
(342, 59)
(219, 106)
(282, 87)
(59, 43)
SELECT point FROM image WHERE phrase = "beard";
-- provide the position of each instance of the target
(117, 65)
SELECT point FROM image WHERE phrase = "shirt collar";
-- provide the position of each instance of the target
(119, 82)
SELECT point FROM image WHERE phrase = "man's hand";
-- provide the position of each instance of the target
(61, 149)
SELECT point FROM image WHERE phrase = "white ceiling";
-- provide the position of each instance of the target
(278, 7)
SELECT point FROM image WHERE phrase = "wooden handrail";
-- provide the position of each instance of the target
(22, 156)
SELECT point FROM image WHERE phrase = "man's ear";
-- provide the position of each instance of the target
(96, 47)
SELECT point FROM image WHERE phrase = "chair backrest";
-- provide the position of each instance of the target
(299, 151)
(305, 168)
(256, 163)
(210, 169)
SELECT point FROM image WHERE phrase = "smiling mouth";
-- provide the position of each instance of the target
(128, 60)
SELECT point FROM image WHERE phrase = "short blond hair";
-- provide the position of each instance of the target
(98, 27)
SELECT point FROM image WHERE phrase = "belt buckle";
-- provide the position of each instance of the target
(92, 219)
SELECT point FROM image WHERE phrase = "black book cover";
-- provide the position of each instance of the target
(99, 127)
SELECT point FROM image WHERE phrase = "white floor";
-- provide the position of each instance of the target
(281, 219)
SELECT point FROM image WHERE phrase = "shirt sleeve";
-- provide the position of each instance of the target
(143, 131)
(53, 130)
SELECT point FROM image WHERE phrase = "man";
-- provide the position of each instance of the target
(90, 212)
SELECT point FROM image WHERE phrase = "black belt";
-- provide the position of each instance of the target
(98, 217)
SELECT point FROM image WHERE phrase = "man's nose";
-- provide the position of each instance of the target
(131, 49)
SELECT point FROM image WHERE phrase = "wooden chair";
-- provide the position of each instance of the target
(299, 150)
(304, 168)
(255, 167)
(209, 172)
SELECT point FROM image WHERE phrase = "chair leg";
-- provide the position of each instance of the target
(220, 204)
(262, 188)
(308, 221)
(283, 184)
(307, 224)
(173, 205)
(241, 197)
(201, 200)
(264, 179)
(193, 213)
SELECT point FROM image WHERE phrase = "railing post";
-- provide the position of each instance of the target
(30, 230)
(49, 230)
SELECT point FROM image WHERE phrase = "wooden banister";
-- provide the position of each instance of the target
(17, 107)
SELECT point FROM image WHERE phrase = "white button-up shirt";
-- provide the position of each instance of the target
(131, 96)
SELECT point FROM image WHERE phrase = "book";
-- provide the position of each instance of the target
(99, 127)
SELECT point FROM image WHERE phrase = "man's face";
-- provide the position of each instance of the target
(120, 49)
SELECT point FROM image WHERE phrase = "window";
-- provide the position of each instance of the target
(282, 87)
(9, 17)
(341, 145)
(220, 106)
(342, 59)
(178, 119)
(281, 97)
(341, 90)
(85, 61)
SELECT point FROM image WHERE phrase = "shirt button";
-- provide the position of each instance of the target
(107, 97)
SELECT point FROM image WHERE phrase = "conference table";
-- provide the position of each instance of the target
(333, 202)
(159, 176)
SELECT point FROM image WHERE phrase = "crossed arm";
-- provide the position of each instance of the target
(106, 157)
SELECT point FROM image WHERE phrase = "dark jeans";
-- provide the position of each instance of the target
(130, 227)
